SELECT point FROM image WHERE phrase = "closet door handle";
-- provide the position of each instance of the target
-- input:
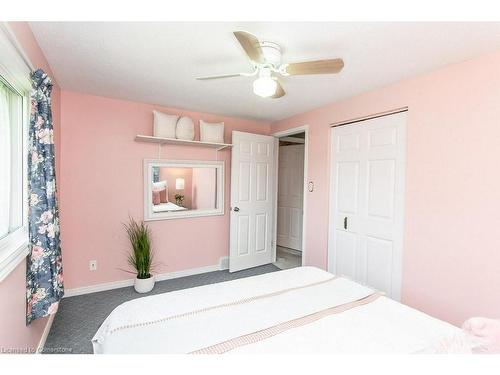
(345, 223)
(236, 209)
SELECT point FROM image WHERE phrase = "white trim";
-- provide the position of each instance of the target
(14, 61)
(331, 255)
(293, 140)
(5, 27)
(14, 70)
(274, 242)
(45, 334)
(292, 131)
(98, 288)
(130, 282)
(148, 165)
(13, 260)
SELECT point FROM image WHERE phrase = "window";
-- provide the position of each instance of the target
(11, 160)
(14, 118)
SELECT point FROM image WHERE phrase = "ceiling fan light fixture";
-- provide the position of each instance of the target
(264, 87)
(265, 58)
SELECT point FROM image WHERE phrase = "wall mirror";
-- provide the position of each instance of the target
(182, 188)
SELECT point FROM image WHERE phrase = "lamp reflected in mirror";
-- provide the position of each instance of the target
(179, 183)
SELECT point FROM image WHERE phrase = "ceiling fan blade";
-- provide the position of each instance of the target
(251, 45)
(279, 91)
(315, 67)
(222, 76)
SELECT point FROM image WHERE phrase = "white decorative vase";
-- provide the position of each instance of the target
(144, 285)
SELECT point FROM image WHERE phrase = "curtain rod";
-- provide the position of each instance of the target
(15, 43)
(376, 115)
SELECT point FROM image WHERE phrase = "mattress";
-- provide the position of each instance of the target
(297, 311)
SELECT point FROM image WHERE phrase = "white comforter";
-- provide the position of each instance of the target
(185, 321)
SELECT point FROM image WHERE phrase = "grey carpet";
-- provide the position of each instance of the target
(79, 317)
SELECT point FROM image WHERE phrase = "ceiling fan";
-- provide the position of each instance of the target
(266, 60)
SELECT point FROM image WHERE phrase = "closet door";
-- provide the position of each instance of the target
(367, 202)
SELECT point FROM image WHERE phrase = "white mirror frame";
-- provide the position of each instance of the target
(149, 215)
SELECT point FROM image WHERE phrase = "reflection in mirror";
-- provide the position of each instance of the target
(177, 189)
(180, 189)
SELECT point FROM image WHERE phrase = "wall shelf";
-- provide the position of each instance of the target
(172, 141)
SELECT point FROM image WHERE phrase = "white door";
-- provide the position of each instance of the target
(252, 187)
(290, 196)
(367, 202)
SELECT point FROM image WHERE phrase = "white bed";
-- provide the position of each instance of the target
(301, 310)
(166, 207)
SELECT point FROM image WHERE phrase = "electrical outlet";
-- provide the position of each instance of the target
(93, 265)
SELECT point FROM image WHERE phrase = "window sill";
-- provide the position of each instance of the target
(13, 250)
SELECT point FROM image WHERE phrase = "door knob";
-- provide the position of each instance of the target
(236, 209)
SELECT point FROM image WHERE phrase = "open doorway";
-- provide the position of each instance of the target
(291, 165)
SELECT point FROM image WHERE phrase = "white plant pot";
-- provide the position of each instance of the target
(144, 285)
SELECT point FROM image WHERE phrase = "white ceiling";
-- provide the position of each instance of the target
(157, 62)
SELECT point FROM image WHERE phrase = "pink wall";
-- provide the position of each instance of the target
(452, 254)
(13, 330)
(102, 183)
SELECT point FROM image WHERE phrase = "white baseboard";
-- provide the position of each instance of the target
(45, 334)
(160, 277)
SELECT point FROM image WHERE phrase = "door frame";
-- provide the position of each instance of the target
(284, 133)
(331, 254)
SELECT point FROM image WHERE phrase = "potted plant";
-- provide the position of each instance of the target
(141, 256)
